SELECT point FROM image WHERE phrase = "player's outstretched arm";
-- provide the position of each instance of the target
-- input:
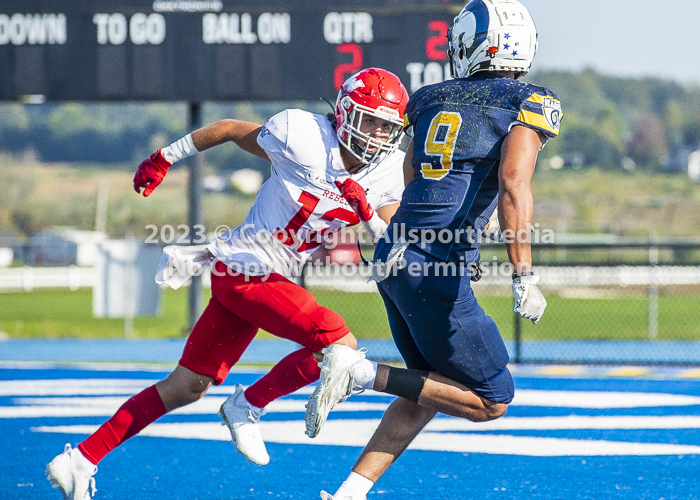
(151, 172)
(515, 208)
(243, 134)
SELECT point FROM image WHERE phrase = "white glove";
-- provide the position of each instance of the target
(529, 301)
(493, 226)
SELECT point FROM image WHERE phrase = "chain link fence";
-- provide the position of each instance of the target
(622, 302)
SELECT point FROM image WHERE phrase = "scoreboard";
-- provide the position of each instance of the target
(209, 50)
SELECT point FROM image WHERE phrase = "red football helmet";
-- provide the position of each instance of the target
(376, 92)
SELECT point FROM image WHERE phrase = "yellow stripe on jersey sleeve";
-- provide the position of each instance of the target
(535, 120)
(544, 113)
(536, 98)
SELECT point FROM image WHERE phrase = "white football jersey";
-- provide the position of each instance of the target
(299, 206)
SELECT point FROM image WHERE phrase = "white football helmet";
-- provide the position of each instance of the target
(492, 35)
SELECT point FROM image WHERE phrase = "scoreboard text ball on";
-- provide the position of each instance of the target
(204, 50)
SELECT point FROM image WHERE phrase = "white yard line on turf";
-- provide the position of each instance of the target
(356, 433)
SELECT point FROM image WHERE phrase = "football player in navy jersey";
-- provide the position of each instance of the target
(474, 148)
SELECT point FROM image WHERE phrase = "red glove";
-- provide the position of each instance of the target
(354, 194)
(150, 173)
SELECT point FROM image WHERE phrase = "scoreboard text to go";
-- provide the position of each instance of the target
(270, 55)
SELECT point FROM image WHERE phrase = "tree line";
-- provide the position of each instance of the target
(614, 123)
(609, 122)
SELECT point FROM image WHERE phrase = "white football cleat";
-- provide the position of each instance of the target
(72, 483)
(334, 386)
(327, 496)
(243, 420)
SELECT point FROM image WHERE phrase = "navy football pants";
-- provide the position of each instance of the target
(438, 325)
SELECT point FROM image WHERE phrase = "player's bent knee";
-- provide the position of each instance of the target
(182, 387)
(177, 395)
(192, 393)
(494, 411)
(484, 413)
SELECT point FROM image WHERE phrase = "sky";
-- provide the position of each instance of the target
(619, 37)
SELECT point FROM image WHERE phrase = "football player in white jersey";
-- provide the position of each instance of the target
(326, 173)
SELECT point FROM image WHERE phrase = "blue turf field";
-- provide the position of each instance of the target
(588, 437)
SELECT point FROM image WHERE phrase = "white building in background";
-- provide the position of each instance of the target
(124, 286)
(64, 246)
(247, 181)
(7, 255)
(213, 183)
(694, 166)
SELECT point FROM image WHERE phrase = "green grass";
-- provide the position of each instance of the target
(615, 318)
(618, 318)
(63, 313)
(632, 204)
(363, 312)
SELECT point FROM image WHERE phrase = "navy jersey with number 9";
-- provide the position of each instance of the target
(458, 128)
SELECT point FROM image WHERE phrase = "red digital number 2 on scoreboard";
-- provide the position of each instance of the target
(347, 68)
(435, 41)
(315, 238)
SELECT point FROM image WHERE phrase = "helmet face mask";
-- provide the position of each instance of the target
(371, 92)
(363, 146)
(492, 35)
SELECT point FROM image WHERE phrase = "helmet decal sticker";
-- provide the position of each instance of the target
(354, 85)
